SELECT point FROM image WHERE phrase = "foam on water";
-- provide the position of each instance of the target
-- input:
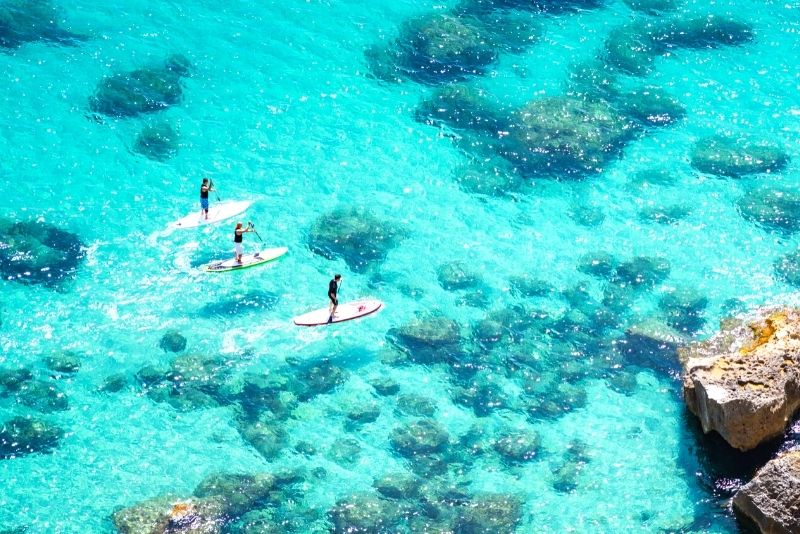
(280, 109)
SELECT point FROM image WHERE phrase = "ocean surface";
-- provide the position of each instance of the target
(283, 105)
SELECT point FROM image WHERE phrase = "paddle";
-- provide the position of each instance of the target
(211, 183)
(253, 228)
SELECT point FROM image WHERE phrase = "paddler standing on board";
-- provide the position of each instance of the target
(238, 232)
(205, 187)
(333, 289)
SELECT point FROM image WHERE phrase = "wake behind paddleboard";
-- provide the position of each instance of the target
(248, 260)
(344, 312)
(217, 213)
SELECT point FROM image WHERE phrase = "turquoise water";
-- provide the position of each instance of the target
(281, 108)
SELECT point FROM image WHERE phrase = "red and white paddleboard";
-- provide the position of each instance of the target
(344, 312)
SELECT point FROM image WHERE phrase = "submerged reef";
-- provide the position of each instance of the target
(143, 90)
(772, 208)
(25, 21)
(355, 235)
(632, 49)
(158, 141)
(35, 252)
(734, 158)
(21, 436)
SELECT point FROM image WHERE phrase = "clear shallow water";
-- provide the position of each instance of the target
(280, 109)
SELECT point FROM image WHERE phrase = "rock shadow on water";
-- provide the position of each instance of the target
(158, 141)
(251, 301)
(35, 252)
(354, 235)
(26, 21)
(144, 90)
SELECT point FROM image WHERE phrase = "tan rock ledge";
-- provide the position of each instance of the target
(744, 382)
(772, 499)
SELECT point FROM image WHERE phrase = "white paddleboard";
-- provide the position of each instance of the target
(344, 312)
(248, 260)
(219, 211)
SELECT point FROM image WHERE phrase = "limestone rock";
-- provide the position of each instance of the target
(745, 381)
(772, 499)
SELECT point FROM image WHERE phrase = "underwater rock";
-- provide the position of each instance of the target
(526, 286)
(565, 137)
(421, 437)
(653, 177)
(363, 514)
(734, 158)
(588, 216)
(195, 371)
(683, 309)
(238, 493)
(364, 413)
(150, 375)
(651, 106)
(772, 499)
(169, 514)
(20, 436)
(25, 21)
(481, 395)
(489, 177)
(267, 438)
(66, 362)
(172, 341)
(772, 209)
(652, 7)
(355, 235)
(787, 268)
(457, 275)
(663, 214)
(158, 141)
(252, 300)
(633, 48)
(565, 475)
(459, 106)
(114, 383)
(537, 6)
(321, 379)
(35, 252)
(266, 394)
(700, 33)
(143, 90)
(518, 446)
(496, 513)
(345, 451)
(398, 486)
(417, 405)
(558, 400)
(431, 339)
(642, 272)
(435, 48)
(599, 264)
(653, 344)
(42, 396)
(384, 386)
(12, 379)
(623, 382)
(744, 383)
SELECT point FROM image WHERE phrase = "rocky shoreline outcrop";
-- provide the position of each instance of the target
(744, 384)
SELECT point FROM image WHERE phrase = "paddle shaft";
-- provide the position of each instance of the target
(215, 191)
(255, 232)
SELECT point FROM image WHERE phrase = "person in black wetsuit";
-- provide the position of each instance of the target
(333, 290)
(204, 189)
(238, 232)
